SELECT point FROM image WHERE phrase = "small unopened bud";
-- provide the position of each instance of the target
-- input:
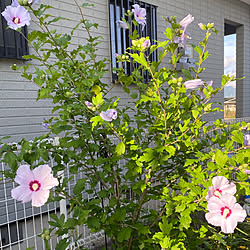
(146, 44)
(202, 26)
(174, 80)
(13, 67)
(89, 104)
(46, 232)
(68, 94)
(210, 25)
(180, 79)
(169, 19)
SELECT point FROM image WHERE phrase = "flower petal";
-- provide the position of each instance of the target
(21, 193)
(39, 198)
(228, 189)
(215, 204)
(214, 218)
(228, 200)
(228, 225)
(49, 183)
(42, 172)
(219, 181)
(239, 213)
(24, 175)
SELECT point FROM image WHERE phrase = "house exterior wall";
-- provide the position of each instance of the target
(20, 114)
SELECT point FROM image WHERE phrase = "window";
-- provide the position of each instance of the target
(12, 44)
(119, 37)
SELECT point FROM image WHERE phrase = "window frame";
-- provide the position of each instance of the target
(20, 47)
(119, 35)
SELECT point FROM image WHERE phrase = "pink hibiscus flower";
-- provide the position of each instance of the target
(34, 184)
(16, 16)
(220, 187)
(247, 140)
(193, 84)
(184, 24)
(140, 14)
(109, 115)
(225, 213)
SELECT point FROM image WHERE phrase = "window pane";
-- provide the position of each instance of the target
(119, 37)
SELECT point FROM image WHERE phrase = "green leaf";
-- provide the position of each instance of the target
(71, 223)
(171, 150)
(62, 244)
(56, 19)
(185, 221)
(95, 120)
(180, 207)
(238, 137)
(195, 113)
(220, 158)
(11, 159)
(93, 222)
(58, 130)
(120, 148)
(140, 59)
(198, 49)
(87, 4)
(168, 33)
(98, 99)
(134, 95)
(79, 187)
(124, 234)
(187, 73)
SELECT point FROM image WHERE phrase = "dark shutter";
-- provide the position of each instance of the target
(119, 39)
(12, 43)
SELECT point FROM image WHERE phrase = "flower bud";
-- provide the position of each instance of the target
(47, 237)
(202, 26)
(146, 44)
(174, 80)
(68, 94)
(122, 24)
(180, 79)
(13, 67)
(210, 25)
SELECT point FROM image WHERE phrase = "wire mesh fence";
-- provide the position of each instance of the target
(21, 224)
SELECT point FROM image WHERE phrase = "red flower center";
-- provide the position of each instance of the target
(16, 20)
(217, 193)
(34, 185)
(225, 212)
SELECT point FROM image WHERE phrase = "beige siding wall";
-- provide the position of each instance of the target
(21, 115)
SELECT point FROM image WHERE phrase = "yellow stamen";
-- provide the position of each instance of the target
(35, 186)
(217, 193)
(225, 212)
(16, 20)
